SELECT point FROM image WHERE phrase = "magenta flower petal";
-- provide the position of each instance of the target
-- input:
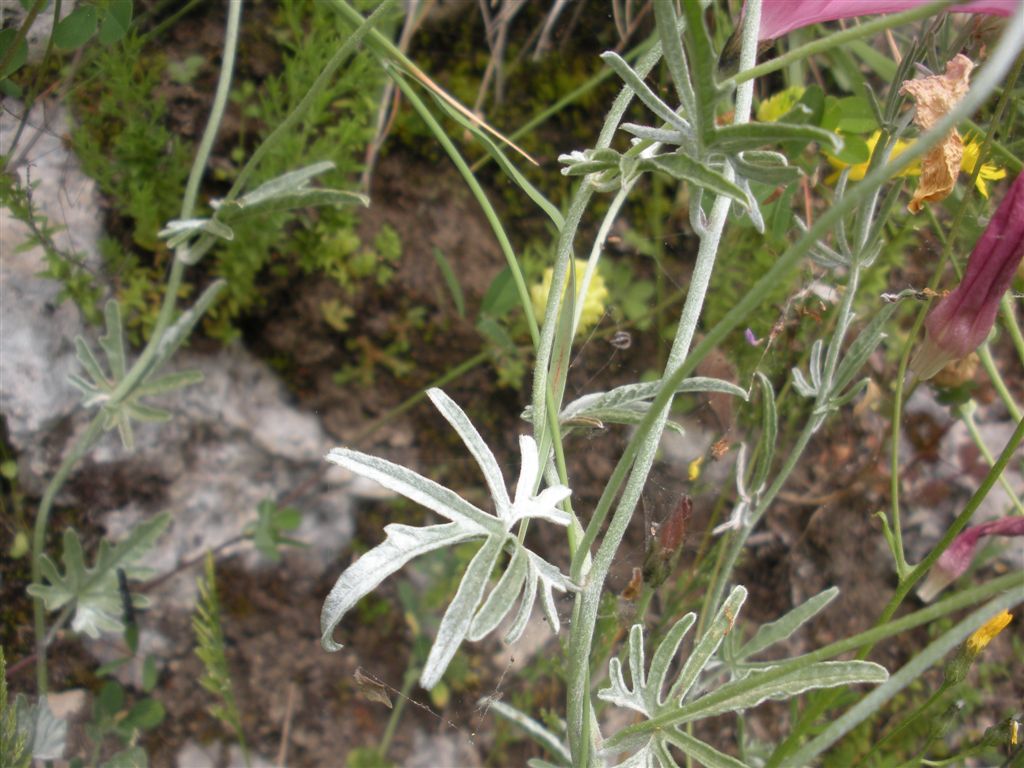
(954, 561)
(781, 16)
(963, 320)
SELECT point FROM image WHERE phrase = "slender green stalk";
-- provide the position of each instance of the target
(966, 413)
(478, 193)
(588, 600)
(1012, 326)
(985, 355)
(80, 449)
(922, 568)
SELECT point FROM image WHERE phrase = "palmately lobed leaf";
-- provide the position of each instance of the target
(95, 591)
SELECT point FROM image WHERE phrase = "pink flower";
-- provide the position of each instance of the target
(963, 319)
(781, 16)
(954, 561)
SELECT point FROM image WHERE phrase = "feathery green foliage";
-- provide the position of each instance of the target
(211, 651)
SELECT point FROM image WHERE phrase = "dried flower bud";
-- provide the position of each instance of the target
(958, 372)
(666, 544)
(936, 96)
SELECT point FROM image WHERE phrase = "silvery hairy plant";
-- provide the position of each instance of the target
(725, 163)
(469, 616)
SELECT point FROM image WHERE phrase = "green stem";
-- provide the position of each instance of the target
(1012, 326)
(80, 449)
(450, 375)
(966, 413)
(649, 434)
(922, 568)
(910, 672)
(411, 673)
(985, 355)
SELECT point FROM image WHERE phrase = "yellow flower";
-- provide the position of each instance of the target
(778, 104)
(593, 303)
(857, 171)
(987, 632)
(988, 172)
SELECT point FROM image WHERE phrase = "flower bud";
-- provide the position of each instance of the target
(954, 561)
(963, 320)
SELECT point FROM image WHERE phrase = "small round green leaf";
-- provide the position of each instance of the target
(17, 60)
(75, 29)
(116, 21)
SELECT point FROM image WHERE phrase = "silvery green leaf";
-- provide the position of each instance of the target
(814, 366)
(781, 629)
(685, 168)
(304, 198)
(458, 618)
(860, 350)
(644, 93)
(403, 543)
(753, 207)
(470, 615)
(92, 366)
(618, 692)
(135, 411)
(178, 231)
(838, 401)
(281, 186)
(708, 644)
(590, 161)
(765, 167)
(675, 60)
(419, 489)
(502, 597)
(823, 674)
(45, 734)
(630, 415)
(769, 434)
(95, 592)
(181, 329)
(732, 139)
(661, 135)
(701, 58)
(801, 385)
(169, 382)
(460, 422)
(112, 342)
(639, 393)
(544, 737)
(701, 751)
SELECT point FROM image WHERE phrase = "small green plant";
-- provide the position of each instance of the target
(269, 533)
(123, 140)
(14, 746)
(211, 651)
